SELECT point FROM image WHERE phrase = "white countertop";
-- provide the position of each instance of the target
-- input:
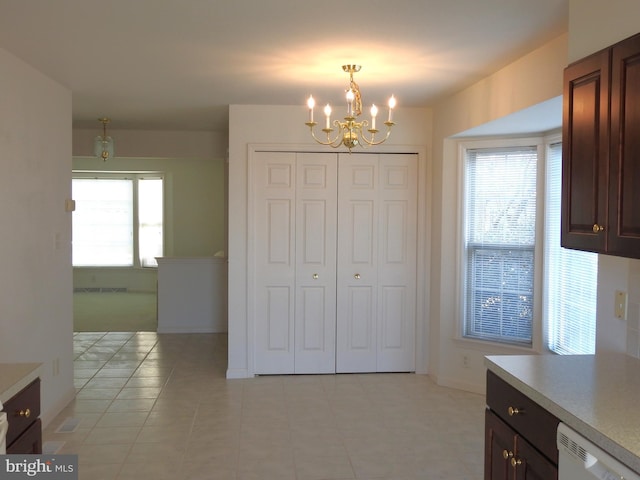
(15, 376)
(598, 396)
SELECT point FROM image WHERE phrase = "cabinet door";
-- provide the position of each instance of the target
(531, 464)
(585, 150)
(624, 199)
(510, 456)
(30, 442)
(498, 448)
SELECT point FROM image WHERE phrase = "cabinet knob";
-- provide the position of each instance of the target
(597, 228)
(357, 276)
(315, 276)
(506, 454)
(515, 411)
(25, 413)
(515, 462)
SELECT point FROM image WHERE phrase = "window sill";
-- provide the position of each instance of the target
(496, 348)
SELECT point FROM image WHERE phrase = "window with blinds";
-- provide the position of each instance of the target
(118, 221)
(103, 222)
(570, 276)
(499, 243)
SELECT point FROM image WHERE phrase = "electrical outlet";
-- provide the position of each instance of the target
(465, 361)
(620, 307)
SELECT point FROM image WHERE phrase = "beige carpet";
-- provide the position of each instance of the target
(115, 312)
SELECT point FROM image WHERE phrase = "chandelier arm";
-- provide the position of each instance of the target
(334, 143)
(372, 141)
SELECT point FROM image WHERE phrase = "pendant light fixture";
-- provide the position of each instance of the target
(102, 144)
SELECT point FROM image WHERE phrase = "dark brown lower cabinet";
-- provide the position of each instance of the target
(25, 428)
(508, 456)
(520, 436)
(30, 442)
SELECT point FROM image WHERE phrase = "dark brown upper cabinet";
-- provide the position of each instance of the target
(601, 152)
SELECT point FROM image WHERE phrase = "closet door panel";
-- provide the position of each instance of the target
(316, 217)
(274, 244)
(357, 271)
(278, 319)
(397, 263)
(393, 302)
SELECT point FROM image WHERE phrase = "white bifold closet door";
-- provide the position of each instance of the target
(295, 219)
(334, 266)
(376, 270)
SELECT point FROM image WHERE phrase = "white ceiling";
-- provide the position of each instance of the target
(178, 64)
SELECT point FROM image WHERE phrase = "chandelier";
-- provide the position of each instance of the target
(102, 144)
(350, 133)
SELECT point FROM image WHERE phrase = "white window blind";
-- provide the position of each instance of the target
(500, 226)
(103, 222)
(570, 278)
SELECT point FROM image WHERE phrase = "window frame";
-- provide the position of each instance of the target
(537, 327)
(135, 176)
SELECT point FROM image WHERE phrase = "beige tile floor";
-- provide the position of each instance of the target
(155, 406)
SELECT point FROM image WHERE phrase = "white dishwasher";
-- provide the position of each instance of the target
(579, 459)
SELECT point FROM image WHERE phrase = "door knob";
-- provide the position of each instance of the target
(597, 228)
(315, 276)
(357, 276)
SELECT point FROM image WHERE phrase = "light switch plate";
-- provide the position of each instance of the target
(620, 307)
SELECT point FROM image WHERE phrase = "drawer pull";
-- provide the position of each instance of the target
(506, 454)
(515, 411)
(515, 462)
(26, 413)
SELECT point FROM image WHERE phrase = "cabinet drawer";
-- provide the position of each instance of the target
(531, 421)
(22, 409)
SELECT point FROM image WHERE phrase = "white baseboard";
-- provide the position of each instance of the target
(190, 329)
(459, 385)
(51, 413)
(238, 373)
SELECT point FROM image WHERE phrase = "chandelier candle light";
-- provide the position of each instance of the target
(351, 133)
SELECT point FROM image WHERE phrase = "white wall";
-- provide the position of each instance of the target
(531, 80)
(283, 125)
(594, 25)
(153, 143)
(36, 315)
